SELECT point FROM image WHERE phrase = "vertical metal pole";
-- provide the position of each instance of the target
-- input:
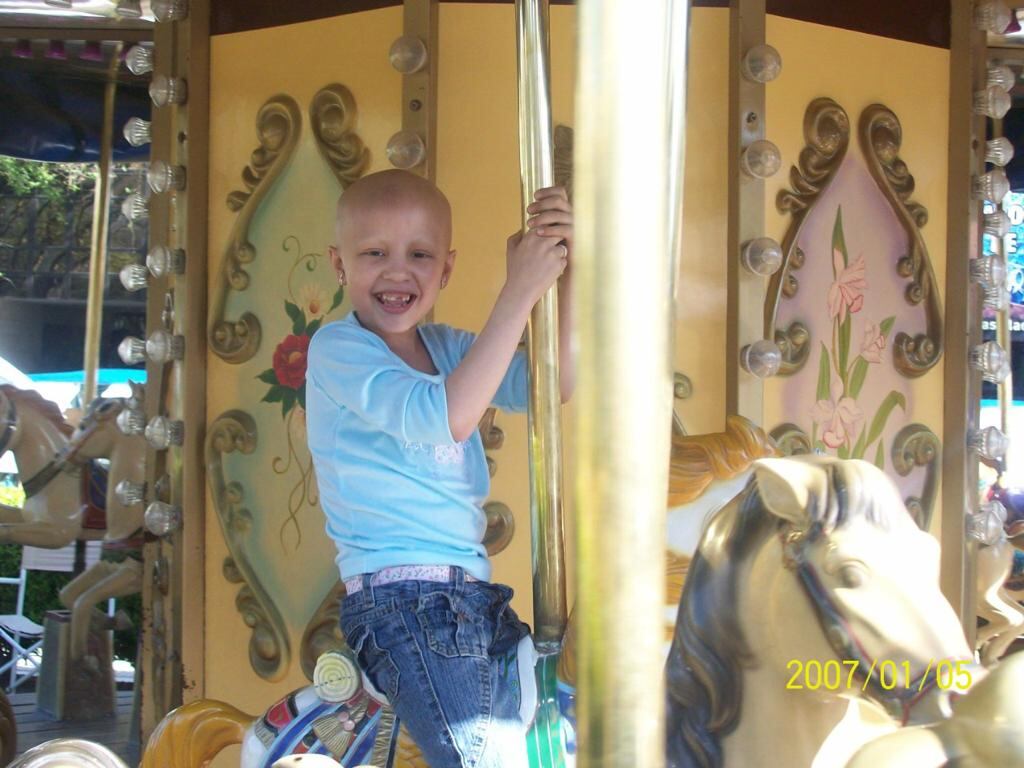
(962, 384)
(544, 415)
(100, 224)
(625, 386)
(678, 51)
(746, 291)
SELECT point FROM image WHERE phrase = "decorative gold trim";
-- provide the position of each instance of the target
(323, 633)
(278, 124)
(881, 136)
(269, 649)
(917, 446)
(791, 440)
(501, 526)
(194, 734)
(563, 157)
(332, 116)
(827, 132)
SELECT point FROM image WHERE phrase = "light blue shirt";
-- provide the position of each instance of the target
(395, 486)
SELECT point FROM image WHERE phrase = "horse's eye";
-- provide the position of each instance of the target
(853, 575)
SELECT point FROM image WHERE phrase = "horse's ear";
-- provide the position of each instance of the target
(785, 487)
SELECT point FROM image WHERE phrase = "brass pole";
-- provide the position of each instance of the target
(624, 400)
(544, 414)
(98, 254)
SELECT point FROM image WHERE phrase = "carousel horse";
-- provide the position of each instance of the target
(846, 537)
(996, 603)
(56, 464)
(816, 565)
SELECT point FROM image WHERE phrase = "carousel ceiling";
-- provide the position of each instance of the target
(98, 14)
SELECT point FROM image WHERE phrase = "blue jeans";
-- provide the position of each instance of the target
(445, 655)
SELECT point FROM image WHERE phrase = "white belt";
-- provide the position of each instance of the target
(438, 573)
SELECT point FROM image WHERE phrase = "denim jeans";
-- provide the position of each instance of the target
(445, 655)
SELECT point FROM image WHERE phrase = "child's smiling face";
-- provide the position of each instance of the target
(393, 248)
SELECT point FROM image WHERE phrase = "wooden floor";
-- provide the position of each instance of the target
(35, 727)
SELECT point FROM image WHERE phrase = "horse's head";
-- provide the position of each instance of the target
(97, 432)
(817, 560)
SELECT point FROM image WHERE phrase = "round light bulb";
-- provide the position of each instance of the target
(986, 525)
(762, 358)
(132, 350)
(988, 357)
(992, 16)
(135, 207)
(988, 271)
(1000, 76)
(408, 54)
(998, 298)
(999, 375)
(162, 432)
(139, 59)
(129, 493)
(169, 10)
(162, 518)
(992, 186)
(992, 102)
(134, 277)
(129, 9)
(989, 442)
(131, 421)
(406, 150)
(761, 160)
(162, 347)
(998, 151)
(762, 256)
(761, 64)
(137, 131)
(162, 177)
(997, 224)
(165, 90)
(164, 261)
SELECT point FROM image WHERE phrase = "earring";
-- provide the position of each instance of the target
(444, 281)
(341, 278)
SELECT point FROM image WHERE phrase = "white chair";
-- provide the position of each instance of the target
(22, 635)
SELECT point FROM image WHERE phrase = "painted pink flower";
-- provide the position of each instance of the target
(873, 345)
(847, 292)
(839, 421)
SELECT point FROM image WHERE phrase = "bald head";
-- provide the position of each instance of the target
(392, 190)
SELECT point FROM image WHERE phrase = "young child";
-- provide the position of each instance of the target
(392, 415)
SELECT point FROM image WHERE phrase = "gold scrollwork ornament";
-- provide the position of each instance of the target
(332, 115)
(881, 136)
(917, 446)
(827, 133)
(278, 124)
(269, 648)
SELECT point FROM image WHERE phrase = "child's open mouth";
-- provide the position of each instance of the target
(394, 302)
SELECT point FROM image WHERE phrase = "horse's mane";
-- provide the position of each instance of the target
(698, 461)
(36, 402)
(709, 650)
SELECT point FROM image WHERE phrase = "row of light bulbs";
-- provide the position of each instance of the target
(761, 159)
(989, 270)
(162, 346)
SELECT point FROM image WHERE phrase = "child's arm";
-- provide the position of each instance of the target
(534, 262)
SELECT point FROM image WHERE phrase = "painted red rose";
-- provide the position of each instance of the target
(290, 361)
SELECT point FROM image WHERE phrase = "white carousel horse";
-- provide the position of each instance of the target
(996, 604)
(816, 564)
(50, 455)
(986, 730)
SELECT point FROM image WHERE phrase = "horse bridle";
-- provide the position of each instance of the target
(902, 697)
(65, 460)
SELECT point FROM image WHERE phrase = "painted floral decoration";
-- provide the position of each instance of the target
(837, 412)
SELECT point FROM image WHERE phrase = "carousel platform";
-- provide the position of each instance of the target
(35, 727)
